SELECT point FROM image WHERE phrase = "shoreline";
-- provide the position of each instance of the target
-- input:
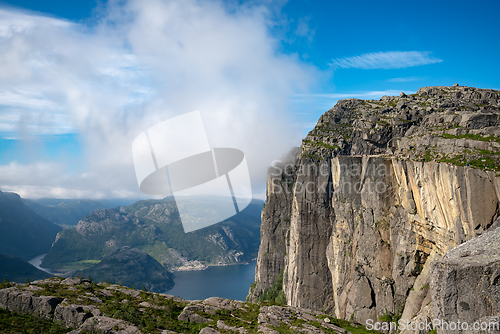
(37, 260)
(207, 266)
(226, 281)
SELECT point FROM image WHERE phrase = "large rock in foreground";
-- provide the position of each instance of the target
(465, 284)
(105, 308)
(133, 268)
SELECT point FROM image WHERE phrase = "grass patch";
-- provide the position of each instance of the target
(330, 147)
(11, 322)
(458, 160)
(283, 329)
(428, 156)
(471, 137)
(80, 265)
(349, 326)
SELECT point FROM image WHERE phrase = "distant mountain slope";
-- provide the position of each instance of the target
(109, 203)
(154, 226)
(15, 269)
(23, 233)
(65, 212)
(133, 268)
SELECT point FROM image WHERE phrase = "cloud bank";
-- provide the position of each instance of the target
(386, 60)
(140, 63)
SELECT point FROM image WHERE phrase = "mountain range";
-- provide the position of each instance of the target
(154, 227)
(107, 242)
(23, 233)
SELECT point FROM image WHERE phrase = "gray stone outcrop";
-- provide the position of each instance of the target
(465, 283)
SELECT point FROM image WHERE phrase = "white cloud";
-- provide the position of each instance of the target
(386, 60)
(142, 63)
(304, 30)
(406, 79)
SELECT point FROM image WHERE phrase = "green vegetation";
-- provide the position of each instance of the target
(475, 158)
(383, 223)
(11, 322)
(5, 284)
(125, 304)
(121, 305)
(275, 292)
(283, 328)
(149, 320)
(320, 143)
(458, 160)
(351, 327)
(66, 213)
(428, 156)
(347, 325)
(132, 267)
(297, 322)
(472, 137)
(383, 123)
(80, 265)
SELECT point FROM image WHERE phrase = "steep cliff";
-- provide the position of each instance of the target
(378, 190)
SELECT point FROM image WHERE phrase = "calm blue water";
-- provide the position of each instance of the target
(230, 282)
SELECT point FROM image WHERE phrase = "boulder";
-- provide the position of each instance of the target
(101, 324)
(73, 316)
(465, 284)
(24, 302)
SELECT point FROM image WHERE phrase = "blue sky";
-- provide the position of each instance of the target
(81, 77)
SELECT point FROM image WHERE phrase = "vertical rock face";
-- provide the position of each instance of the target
(309, 237)
(274, 232)
(465, 284)
(363, 229)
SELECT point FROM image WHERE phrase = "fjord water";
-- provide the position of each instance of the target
(230, 282)
(36, 261)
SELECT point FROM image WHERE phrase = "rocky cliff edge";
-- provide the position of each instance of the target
(378, 190)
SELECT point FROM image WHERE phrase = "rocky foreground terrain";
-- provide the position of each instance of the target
(378, 191)
(80, 306)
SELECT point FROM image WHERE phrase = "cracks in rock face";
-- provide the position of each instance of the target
(372, 293)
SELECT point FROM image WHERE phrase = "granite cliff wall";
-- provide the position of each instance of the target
(355, 233)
